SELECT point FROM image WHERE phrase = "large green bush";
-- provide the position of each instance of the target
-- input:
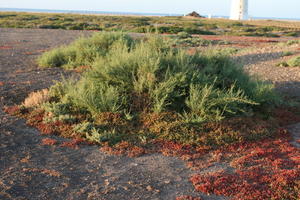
(133, 77)
(123, 68)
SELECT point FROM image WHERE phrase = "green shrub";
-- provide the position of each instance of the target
(189, 41)
(95, 97)
(287, 53)
(209, 103)
(183, 35)
(132, 79)
(292, 34)
(229, 51)
(82, 52)
(57, 57)
(294, 62)
(292, 42)
(282, 64)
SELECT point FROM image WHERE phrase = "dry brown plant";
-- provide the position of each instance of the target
(36, 98)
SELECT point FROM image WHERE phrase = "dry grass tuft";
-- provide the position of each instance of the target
(37, 98)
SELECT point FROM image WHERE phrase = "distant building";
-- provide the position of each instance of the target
(239, 10)
(194, 14)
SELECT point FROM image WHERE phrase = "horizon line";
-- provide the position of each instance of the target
(127, 13)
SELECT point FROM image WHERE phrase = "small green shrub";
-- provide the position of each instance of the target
(282, 64)
(183, 35)
(287, 53)
(190, 42)
(292, 34)
(294, 62)
(57, 57)
(229, 51)
(292, 42)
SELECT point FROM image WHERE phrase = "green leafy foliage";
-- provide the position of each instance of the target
(82, 52)
(294, 62)
(132, 80)
(208, 103)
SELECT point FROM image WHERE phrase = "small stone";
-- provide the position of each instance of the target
(149, 188)
(106, 182)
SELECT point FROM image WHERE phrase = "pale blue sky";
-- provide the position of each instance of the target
(257, 8)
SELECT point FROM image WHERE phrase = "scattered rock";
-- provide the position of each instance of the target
(149, 188)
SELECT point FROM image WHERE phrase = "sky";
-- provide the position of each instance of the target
(257, 8)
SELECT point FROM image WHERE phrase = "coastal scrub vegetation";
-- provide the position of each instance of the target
(143, 24)
(145, 94)
(145, 88)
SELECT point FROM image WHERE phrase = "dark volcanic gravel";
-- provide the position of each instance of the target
(32, 171)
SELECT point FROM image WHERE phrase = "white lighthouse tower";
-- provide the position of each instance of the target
(239, 10)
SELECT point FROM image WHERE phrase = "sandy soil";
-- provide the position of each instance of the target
(30, 170)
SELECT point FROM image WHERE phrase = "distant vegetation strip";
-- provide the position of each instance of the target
(142, 24)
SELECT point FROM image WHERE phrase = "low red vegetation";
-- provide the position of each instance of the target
(188, 198)
(48, 128)
(185, 152)
(124, 148)
(73, 143)
(269, 169)
(49, 141)
(12, 110)
(35, 119)
(6, 47)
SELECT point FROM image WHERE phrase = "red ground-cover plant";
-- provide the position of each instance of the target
(188, 198)
(263, 164)
(269, 169)
(6, 47)
(48, 128)
(15, 110)
(49, 141)
(74, 143)
(122, 148)
(12, 110)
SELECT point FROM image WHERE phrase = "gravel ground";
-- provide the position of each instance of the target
(262, 62)
(30, 170)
